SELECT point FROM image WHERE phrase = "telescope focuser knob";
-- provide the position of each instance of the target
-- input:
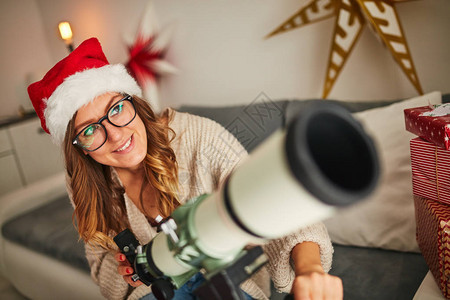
(169, 227)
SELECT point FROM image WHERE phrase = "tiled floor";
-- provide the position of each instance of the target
(8, 292)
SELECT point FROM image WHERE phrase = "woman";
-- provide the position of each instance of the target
(127, 167)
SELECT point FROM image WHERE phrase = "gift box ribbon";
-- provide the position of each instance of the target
(436, 157)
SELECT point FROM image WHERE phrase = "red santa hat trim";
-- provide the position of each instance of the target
(75, 81)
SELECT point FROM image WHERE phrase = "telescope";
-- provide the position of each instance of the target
(323, 161)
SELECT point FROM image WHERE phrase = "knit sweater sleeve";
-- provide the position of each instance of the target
(208, 152)
(104, 270)
(225, 153)
(279, 250)
(104, 273)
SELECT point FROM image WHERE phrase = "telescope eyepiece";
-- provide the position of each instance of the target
(330, 154)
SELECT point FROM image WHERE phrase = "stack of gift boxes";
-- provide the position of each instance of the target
(430, 164)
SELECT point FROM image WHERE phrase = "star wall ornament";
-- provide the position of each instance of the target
(146, 61)
(351, 16)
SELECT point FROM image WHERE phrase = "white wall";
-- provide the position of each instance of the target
(23, 50)
(223, 58)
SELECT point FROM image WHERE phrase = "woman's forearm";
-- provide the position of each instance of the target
(306, 258)
(311, 282)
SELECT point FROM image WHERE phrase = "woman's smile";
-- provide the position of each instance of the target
(127, 147)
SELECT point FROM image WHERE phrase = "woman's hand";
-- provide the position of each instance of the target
(126, 270)
(317, 285)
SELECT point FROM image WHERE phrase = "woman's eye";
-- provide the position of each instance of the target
(116, 109)
(89, 131)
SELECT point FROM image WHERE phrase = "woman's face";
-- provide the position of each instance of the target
(125, 147)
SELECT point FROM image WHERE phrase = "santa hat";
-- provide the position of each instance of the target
(75, 81)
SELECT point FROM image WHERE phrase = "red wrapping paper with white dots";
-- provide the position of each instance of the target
(433, 238)
(430, 167)
(435, 129)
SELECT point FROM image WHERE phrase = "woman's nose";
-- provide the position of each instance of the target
(114, 133)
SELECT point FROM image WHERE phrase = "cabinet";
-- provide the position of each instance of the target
(10, 178)
(27, 154)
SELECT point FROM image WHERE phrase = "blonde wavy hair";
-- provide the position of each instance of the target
(100, 211)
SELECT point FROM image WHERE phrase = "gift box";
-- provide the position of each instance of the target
(434, 128)
(444, 263)
(430, 166)
(433, 238)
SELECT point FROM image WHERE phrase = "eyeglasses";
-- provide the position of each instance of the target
(94, 135)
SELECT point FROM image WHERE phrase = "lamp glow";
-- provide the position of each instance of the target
(66, 34)
(65, 31)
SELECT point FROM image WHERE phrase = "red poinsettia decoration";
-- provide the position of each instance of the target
(146, 61)
(142, 55)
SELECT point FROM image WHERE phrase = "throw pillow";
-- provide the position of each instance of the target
(386, 219)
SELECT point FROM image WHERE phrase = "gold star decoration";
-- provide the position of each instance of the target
(351, 16)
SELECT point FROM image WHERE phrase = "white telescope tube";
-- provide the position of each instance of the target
(271, 187)
(296, 178)
(324, 160)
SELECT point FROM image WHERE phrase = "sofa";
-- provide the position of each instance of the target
(40, 253)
